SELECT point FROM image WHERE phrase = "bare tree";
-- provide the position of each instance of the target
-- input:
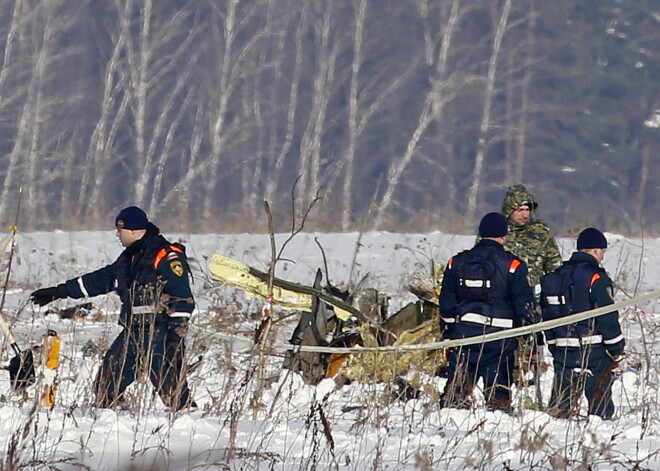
(180, 106)
(360, 14)
(365, 98)
(158, 105)
(257, 99)
(10, 43)
(227, 25)
(310, 145)
(437, 96)
(486, 116)
(521, 135)
(113, 108)
(32, 59)
(291, 105)
(652, 124)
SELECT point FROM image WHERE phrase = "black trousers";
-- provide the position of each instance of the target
(158, 346)
(585, 370)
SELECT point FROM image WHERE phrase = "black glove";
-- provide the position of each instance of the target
(45, 295)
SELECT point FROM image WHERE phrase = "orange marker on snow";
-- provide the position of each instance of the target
(51, 363)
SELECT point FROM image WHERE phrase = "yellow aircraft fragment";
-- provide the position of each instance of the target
(239, 275)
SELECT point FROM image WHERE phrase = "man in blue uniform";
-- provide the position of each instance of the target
(583, 353)
(484, 290)
(151, 278)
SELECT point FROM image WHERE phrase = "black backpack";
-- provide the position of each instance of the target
(557, 290)
(476, 276)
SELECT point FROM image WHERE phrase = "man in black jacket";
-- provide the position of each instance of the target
(484, 290)
(585, 352)
(151, 278)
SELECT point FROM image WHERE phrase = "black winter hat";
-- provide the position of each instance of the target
(591, 238)
(493, 225)
(132, 218)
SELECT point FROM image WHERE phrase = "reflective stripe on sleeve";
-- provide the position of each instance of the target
(159, 256)
(616, 339)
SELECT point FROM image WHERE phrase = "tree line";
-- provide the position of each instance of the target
(406, 115)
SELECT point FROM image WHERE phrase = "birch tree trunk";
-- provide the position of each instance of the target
(26, 143)
(113, 108)
(643, 177)
(196, 166)
(432, 109)
(171, 123)
(347, 206)
(139, 61)
(524, 97)
(310, 146)
(484, 128)
(219, 115)
(276, 170)
(34, 113)
(11, 169)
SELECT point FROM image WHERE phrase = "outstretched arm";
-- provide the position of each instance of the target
(91, 284)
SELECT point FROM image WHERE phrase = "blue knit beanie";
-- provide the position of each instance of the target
(591, 238)
(493, 225)
(131, 218)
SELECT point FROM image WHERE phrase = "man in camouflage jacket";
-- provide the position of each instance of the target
(529, 238)
(531, 241)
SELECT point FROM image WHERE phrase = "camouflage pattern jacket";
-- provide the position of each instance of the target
(532, 242)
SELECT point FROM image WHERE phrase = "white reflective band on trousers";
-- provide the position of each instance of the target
(150, 310)
(485, 320)
(142, 309)
(504, 334)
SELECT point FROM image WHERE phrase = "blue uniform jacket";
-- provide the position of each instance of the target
(151, 278)
(592, 289)
(502, 302)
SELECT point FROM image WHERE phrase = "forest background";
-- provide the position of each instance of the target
(401, 115)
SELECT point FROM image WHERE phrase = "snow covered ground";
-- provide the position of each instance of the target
(297, 426)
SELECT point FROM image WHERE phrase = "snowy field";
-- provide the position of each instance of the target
(296, 426)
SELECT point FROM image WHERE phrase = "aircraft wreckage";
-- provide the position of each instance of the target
(328, 318)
